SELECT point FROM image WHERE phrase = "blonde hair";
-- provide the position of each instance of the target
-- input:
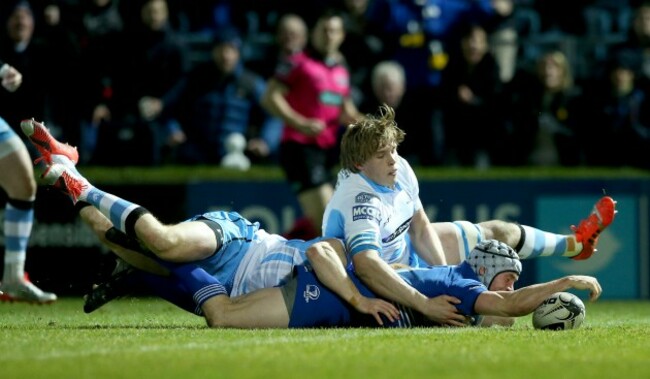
(368, 135)
(561, 60)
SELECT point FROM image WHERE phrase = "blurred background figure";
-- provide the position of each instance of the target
(361, 48)
(618, 116)
(637, 42)
(290, 39)
(311, 94)
(388, 82)
(220, 97)
(544, 114)
(99, 31)
(42, 75)
(154, 60)
(504, 31)
(55, 20)
(418, 34)
(471, 87)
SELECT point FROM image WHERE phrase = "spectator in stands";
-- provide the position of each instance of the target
(178, 18)
(55, 27)
(471, 88)
(388, 81)
(544, 113)
(503, 37)
(311, 94)
(33, 58)
(638, 42)
(218, 98)
(290, 38)
(99, 31)
(620, 114)
(154, 60)
(361, 48)
(417, 34)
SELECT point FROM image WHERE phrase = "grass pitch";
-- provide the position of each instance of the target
(148, 338)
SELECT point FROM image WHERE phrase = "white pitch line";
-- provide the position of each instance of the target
(9, 357)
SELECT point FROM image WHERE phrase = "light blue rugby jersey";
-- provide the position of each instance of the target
(238, 232)
(368, 216)
(250, 258)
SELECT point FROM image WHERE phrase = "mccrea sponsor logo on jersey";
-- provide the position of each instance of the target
(365, 212)
(311, 293)
(400, 229)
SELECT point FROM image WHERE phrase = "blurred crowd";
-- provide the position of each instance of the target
(475, 83)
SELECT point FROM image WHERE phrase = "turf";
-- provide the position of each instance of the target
(148, 338)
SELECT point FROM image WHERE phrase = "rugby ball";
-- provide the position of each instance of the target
(560, 311)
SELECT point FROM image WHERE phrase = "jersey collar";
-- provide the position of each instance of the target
(379, 188)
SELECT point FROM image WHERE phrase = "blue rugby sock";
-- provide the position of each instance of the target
(169, 288)
(200, 284)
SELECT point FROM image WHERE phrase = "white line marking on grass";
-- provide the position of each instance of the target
(220, 344)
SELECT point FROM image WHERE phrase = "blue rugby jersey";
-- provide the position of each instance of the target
(316, 306)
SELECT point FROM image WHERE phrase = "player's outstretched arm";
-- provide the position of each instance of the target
(328, 261)
(385, 282)
(525, 300)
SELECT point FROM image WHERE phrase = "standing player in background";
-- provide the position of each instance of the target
(311, 94)
(17, 180)
(376, 210)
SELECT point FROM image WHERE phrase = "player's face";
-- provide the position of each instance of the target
(505, 281)
(381, 168)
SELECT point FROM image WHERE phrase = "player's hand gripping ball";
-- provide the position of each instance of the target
(560, 311)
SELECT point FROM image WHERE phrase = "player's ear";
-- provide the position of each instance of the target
(481, 270)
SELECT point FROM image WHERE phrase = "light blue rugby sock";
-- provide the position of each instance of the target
(19, 218)
(538, 243)
(122, 213)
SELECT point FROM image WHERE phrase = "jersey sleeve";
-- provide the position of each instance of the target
(354, 214)
(362, 224)
(467, 291)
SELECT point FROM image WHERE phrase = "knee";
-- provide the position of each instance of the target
(30, 187)
(506, 232)
(160, 242)
(22, 189)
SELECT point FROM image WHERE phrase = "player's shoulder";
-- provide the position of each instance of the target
(351, 182)
(355, 192)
